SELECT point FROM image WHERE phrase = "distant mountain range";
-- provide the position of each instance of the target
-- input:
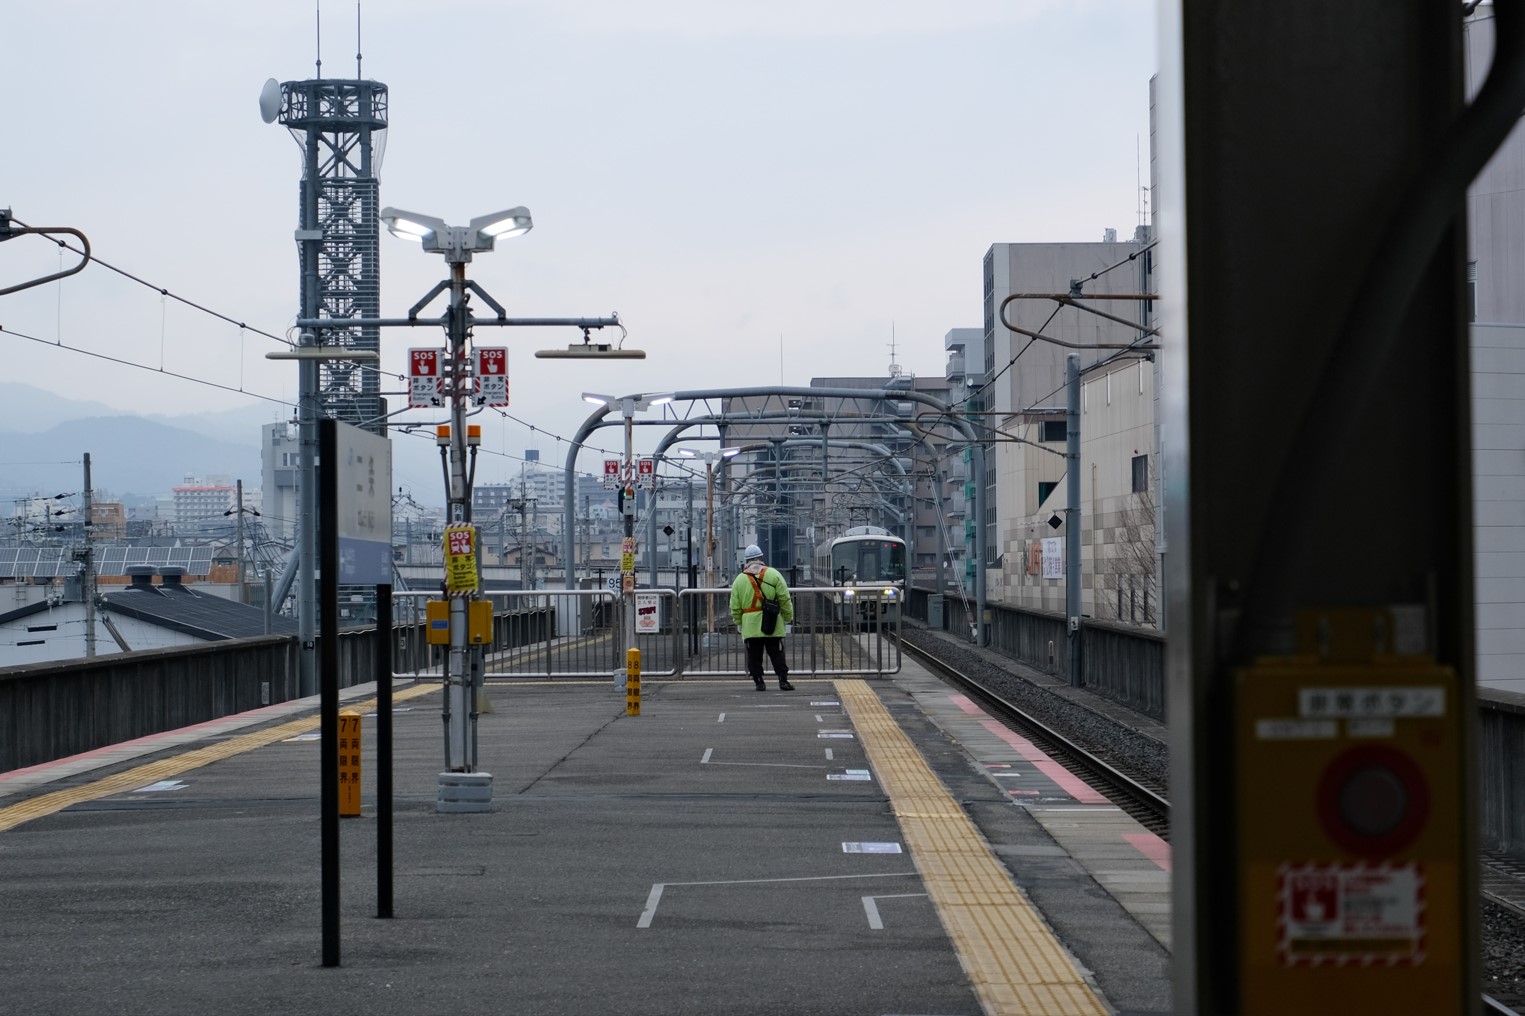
(129, 455)
(43, 438)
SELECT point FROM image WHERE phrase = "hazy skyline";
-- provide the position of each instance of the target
(765, 193)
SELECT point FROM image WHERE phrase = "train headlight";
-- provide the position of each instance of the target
(889, 594)
(848, 594)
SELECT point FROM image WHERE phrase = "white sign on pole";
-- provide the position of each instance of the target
(426, 388)
(647, 618)
(1053, 557)
(611, 474)
(365, 507)
(648, 473)
(492, 375)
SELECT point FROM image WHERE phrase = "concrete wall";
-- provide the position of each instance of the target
(54, 710)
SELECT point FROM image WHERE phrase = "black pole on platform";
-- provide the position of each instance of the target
(384, 751)
(328, 664)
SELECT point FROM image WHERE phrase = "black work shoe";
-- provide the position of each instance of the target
(761, 686)
(785, 686)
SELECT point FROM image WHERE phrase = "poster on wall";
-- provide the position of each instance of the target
(1053, 557)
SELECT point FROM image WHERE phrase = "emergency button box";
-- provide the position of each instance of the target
(478, 622)
(437, 619)
(1350, 787)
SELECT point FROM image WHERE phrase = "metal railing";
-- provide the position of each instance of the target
(579, 634)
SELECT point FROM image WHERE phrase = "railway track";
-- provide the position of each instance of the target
(1146, 804)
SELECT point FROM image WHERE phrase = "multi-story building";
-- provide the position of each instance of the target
(280, 466)
(1021, 404)
(1495, 238)
(200, 505)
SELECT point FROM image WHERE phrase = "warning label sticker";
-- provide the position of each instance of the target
(1338, 914)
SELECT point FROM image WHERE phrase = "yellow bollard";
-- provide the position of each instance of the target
(632, 682)
(349, 764)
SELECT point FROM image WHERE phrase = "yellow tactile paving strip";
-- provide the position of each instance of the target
(130, 779)
(1015, 963)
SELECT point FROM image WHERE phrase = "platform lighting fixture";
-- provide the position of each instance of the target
(457, 243)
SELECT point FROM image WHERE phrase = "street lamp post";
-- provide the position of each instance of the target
(628, 406)
(457, 244)
(709, 531)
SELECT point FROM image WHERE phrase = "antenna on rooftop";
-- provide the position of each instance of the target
(894, 367)
(358, 75)
(317, 9)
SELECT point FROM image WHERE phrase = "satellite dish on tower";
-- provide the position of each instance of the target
(270, 101)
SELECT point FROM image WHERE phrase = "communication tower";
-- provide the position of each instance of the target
(341, 126)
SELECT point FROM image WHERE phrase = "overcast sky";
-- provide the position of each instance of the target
(764, 191)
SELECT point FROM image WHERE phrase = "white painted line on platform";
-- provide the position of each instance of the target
(871, 848)
(872, 910)
(722, 718)
(707, 753)
(818, 718)
(651, 906)
(305, 737)
(770, 765)
(828, 753)
(825, 703)
(154, 788)
(1092, 810)
(657, 888)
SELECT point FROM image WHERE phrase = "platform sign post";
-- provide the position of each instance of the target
(349, 764)
(632, 682)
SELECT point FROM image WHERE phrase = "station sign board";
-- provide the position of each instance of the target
(646, 472)
(365, 507)
(611, 474)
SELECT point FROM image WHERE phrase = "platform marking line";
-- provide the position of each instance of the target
(829, 755)
(1014, 962)
(1152, 847)
(1071, 784)
(657, 888)
(707, 753)
(875, 922)
(129, 779)
(722, 718)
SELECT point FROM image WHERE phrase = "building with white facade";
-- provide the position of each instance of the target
(280, 468)
(1496, 264)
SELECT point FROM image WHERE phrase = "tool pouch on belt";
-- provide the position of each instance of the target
(770, 609)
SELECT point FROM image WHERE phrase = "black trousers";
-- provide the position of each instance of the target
(775, 648)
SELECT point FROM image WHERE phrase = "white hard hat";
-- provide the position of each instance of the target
(753, 550)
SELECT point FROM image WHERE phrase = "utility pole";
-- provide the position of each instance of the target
(242, 589)
(88, 559)
(1072, 518)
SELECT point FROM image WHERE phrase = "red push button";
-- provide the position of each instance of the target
(1373, 800)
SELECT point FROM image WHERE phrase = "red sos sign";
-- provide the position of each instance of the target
(492, 361)
(423, 363)
(460, 541)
